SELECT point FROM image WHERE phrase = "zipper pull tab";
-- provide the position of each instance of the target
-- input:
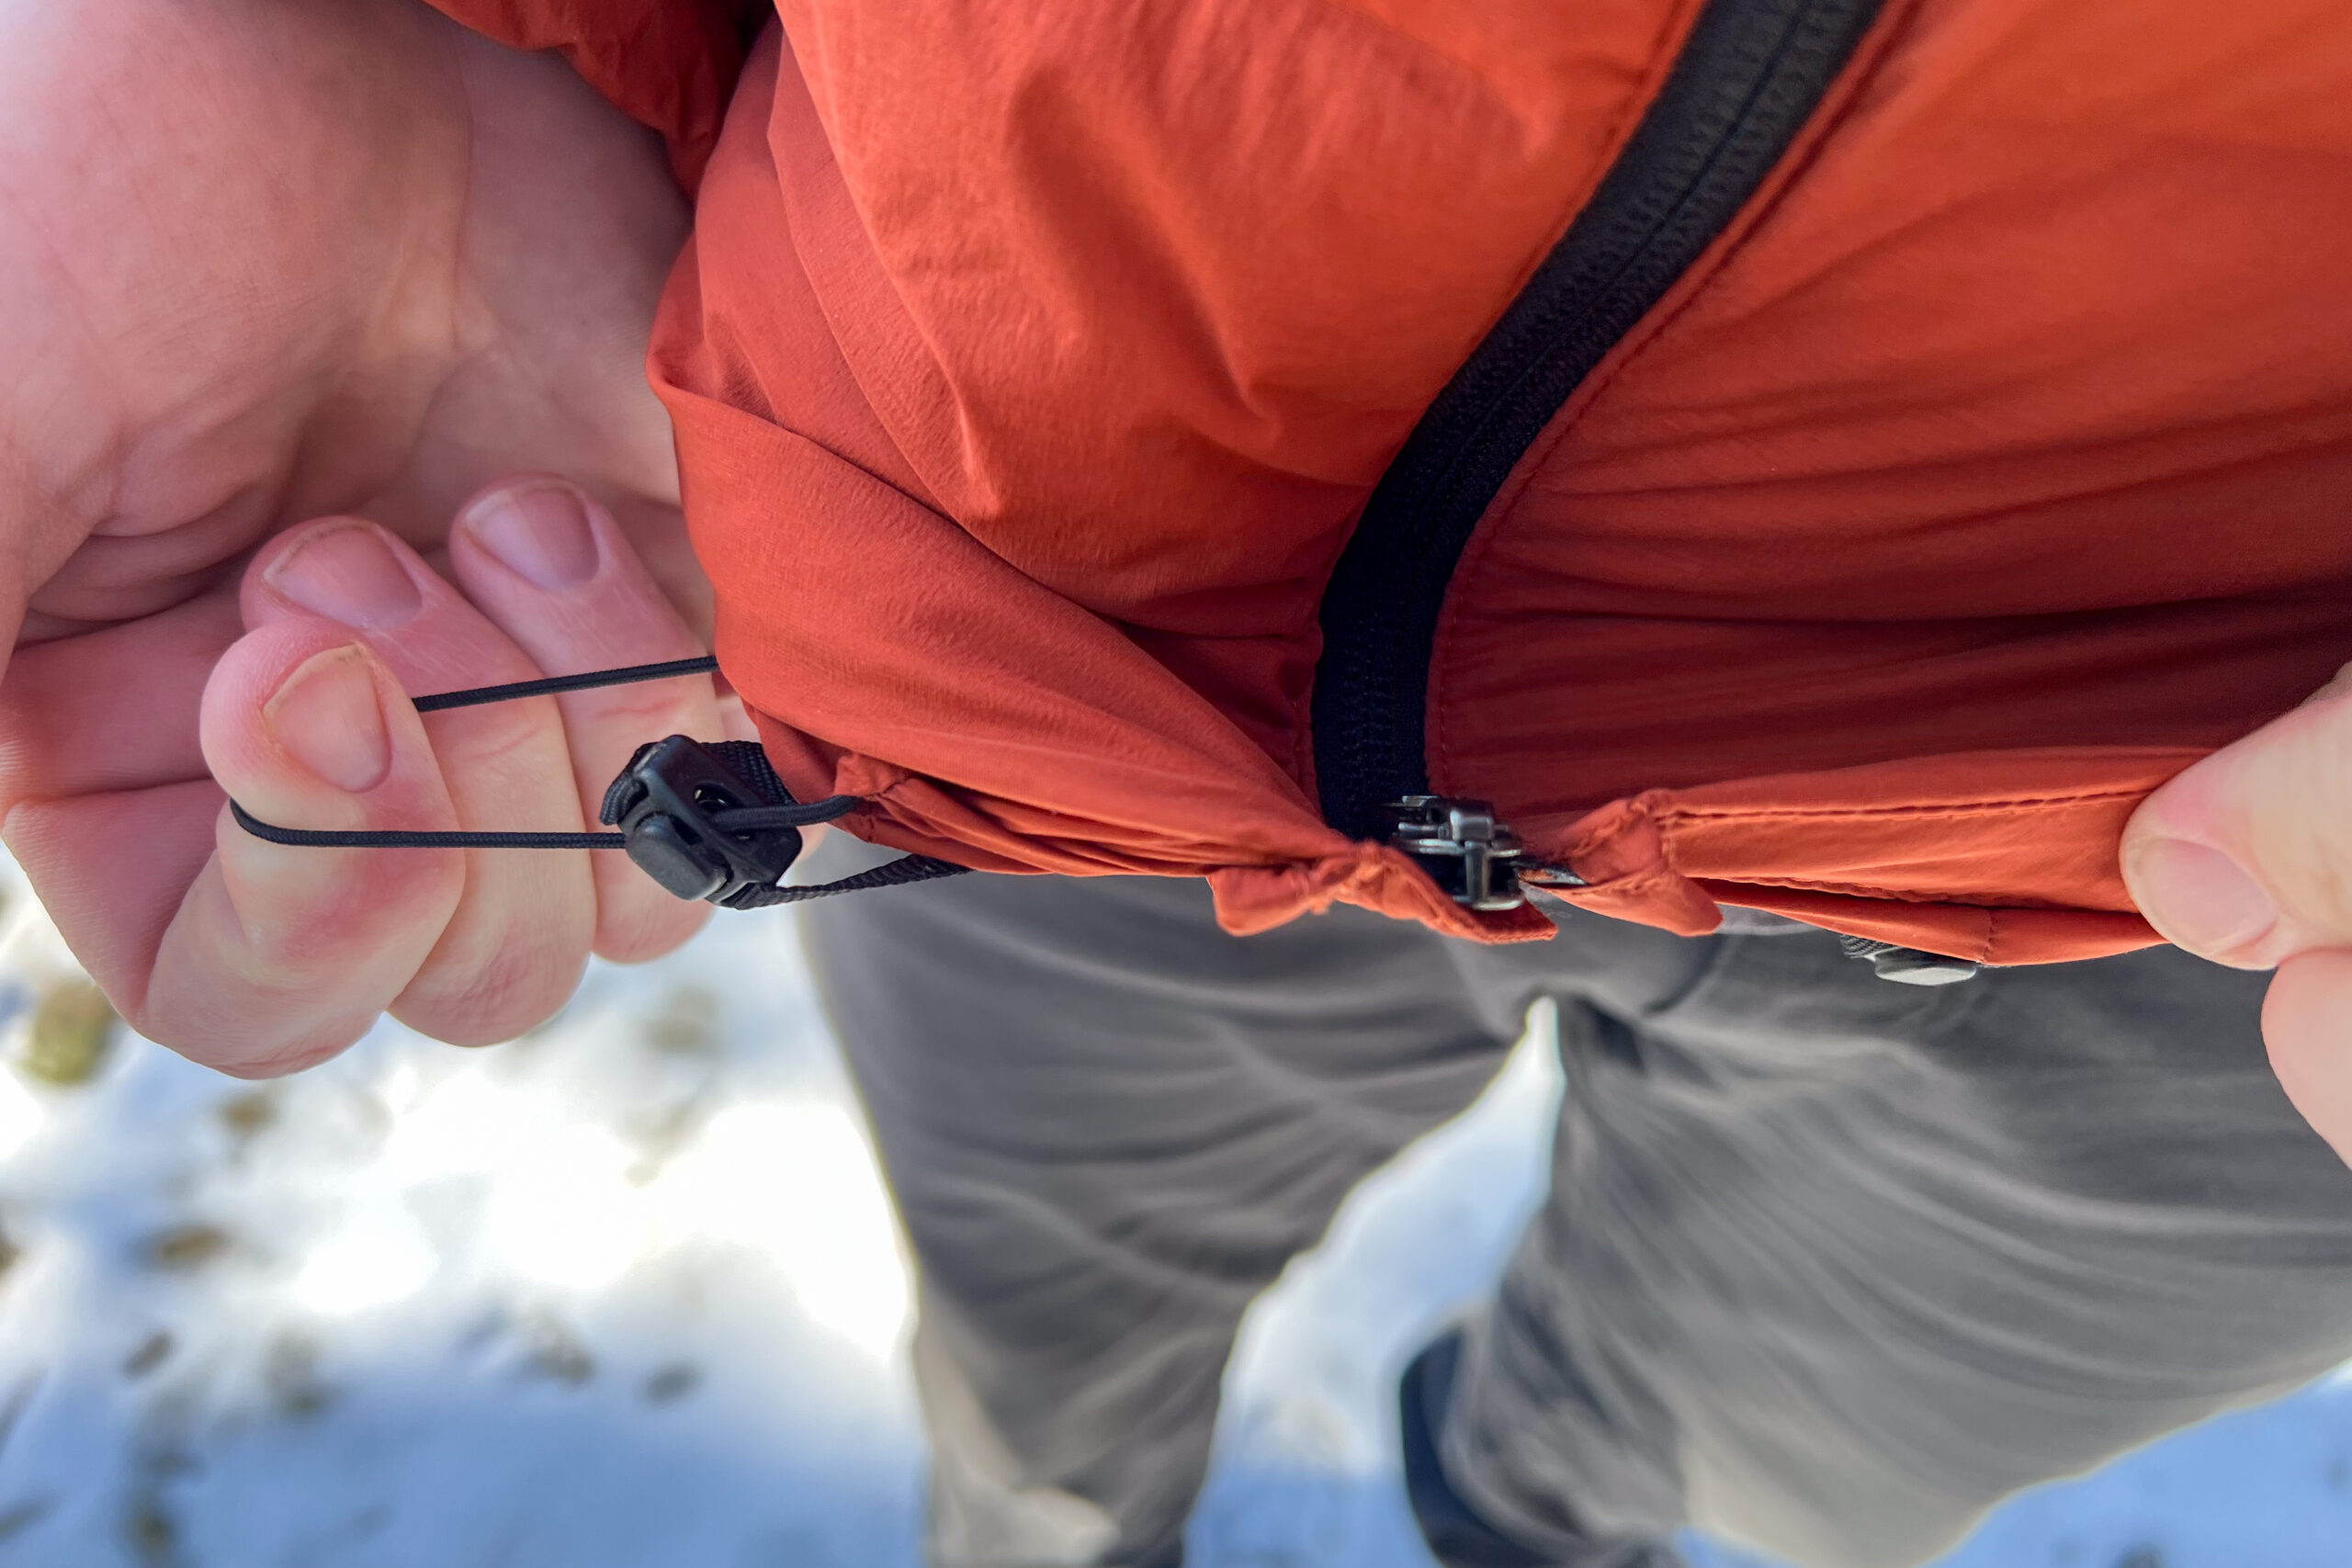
(1471, 856)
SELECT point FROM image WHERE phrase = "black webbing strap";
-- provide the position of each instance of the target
(748, 760)
(893, 873)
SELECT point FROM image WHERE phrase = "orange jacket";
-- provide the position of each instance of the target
(1988, 461)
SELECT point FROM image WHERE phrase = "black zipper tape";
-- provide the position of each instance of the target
(1749, 76)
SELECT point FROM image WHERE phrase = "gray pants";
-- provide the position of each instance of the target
(1828, 1266)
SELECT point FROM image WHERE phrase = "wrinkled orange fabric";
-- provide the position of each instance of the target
(1030, 363)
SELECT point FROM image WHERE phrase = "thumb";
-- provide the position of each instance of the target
(2246, 858)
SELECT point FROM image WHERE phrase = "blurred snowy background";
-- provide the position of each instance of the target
(625, 1295)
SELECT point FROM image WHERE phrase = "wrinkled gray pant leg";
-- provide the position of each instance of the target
(1832, 1265)
(1108, 1126)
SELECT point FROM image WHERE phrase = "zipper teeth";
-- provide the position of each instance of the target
(1749, 77)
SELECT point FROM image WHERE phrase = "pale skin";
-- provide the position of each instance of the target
(290, 294)
(2246, 859)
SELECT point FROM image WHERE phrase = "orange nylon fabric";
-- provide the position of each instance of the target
(2014, 417)
(1061, 587)
(1031, 363)
(2017, 417)
(997, 722)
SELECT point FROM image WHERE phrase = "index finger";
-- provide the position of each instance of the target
(550, 568)
(281, 955)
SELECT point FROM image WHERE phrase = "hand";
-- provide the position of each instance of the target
(275, 957)
(260, 958)
(262, 260)
(2246, 859)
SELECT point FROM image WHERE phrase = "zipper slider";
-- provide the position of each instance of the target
(1471, 856)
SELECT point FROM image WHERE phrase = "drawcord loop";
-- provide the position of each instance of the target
(706, 820)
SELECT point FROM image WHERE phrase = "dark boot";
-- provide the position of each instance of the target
(1457, 1537)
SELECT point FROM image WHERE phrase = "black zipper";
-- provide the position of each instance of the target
(1749, 76)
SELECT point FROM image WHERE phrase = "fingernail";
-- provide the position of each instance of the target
(2199, 897)
(327, 714)
(541, 534)
(347, 574)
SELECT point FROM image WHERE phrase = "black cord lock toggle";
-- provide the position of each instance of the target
(695, 824)
(704, 819)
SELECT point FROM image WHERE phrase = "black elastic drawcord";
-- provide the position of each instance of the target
(781, 814)
(475, 696)
(395, 838)
(735, 819)
(626, 675)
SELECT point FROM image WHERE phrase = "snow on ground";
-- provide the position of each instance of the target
(625, 1295)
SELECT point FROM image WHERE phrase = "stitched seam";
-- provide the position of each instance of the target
(1984, 942)
(1994, 806)
(1890, 895)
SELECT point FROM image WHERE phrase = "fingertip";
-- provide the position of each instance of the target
(340, 568)
(230, 1059)
(2238, 858)
(553, 570)
(639, 930)
(302, 716)
(515, 992)
(2307, 1024)
(273, 963)
(305, 728)
(544, 530)
(2200, 898)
